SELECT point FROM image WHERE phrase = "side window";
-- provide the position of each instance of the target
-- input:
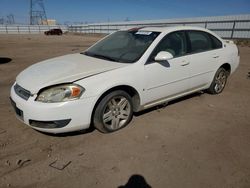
(174, 43)
(215, 42)
(200, 41)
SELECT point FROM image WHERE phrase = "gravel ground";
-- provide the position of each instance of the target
(198, 141)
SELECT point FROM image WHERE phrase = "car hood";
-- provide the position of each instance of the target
(63, 69)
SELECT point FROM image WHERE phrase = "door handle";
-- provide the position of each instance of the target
(185, 64)
(216, 56)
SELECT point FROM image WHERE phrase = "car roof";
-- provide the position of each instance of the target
(171, 28)
(168, 29)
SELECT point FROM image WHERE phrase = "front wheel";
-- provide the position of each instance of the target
(113, 112)
(219, 81)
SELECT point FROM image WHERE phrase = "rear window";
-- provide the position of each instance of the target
(215, 42)
(200, 41)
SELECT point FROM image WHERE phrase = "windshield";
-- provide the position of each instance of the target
(123, 46)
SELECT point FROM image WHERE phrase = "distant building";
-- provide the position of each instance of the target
(49, 22)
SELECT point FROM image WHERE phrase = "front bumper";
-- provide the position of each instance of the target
(64, 117)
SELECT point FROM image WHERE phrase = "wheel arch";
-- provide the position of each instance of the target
(227, 67)
(129, 89)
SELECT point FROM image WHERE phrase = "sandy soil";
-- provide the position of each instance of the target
(199, 141)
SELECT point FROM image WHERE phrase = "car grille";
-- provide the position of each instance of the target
(21, 92)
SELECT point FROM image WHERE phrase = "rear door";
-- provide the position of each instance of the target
(204, 56)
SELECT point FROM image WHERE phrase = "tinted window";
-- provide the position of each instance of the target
(216, 42)
(174, 43)
(200, 41)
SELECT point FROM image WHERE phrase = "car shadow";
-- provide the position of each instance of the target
(165, 64)
(4, 60)
(197, 94)
(136, 181)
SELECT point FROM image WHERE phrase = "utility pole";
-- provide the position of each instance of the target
(1, 21)
(10, 19)
(37, 13)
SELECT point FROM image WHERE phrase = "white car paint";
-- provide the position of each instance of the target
(158, 87)
(155, 83)
(62, 69)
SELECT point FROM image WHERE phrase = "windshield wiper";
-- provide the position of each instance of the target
(100, 56)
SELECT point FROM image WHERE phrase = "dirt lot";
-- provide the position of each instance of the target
(199, 141)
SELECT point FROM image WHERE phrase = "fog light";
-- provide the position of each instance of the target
(49, 124)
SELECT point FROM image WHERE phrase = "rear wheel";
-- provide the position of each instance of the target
(113, 112)
(219, 81)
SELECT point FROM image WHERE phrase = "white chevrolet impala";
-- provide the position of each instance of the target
(127, 71)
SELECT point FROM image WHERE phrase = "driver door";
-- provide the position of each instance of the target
(169, 78)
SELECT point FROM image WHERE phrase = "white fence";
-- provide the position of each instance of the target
(29, 29)
(236, 26)
(226, 26)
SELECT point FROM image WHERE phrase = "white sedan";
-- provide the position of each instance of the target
(127, 71)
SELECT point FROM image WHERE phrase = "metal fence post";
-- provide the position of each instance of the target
(232, 33)
(6, 28)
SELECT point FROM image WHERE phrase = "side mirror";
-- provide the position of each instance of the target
(163, 56)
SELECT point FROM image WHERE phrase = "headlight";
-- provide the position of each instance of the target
(60, 93)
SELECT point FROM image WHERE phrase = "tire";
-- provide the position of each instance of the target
(113, 112)
(219, 82)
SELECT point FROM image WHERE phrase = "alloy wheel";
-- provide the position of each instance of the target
(116, 113)
(220, 81)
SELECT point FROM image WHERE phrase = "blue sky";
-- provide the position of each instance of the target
(120, 10)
